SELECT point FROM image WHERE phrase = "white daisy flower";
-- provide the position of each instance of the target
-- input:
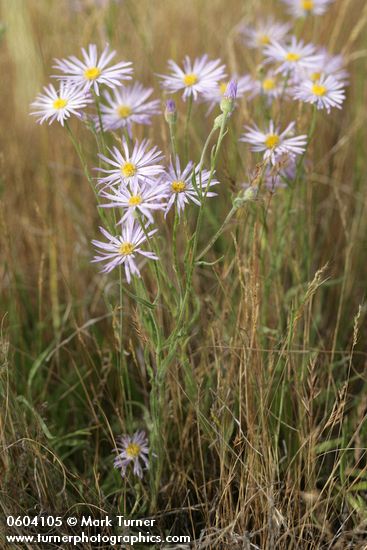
(328, 65)
(127, 105)
(142, 197)
(303, 8)
(324, 93)
(263, 32)
(59, 105)
(195, 79)
(122, 249)
(294, 57)
(333, 65)
(93, 71)
(275, 143)
(128, 167)
(132, 449)
(215, 95)
(178, 186)
(271, 86)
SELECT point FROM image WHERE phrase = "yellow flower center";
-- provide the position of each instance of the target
(319, 90)
(126, 249)
(292, 56)
(178, 186)
(124, 111)
(223, 87)
(190, 79)
(307, 5)
(268, 84)
(92, 73)
(134, 200)
(133, 450)
(315, 76)
(59, 103)
(272, 141)
(264, 39)
(128, 169)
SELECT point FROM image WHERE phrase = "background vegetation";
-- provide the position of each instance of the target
(264, 432)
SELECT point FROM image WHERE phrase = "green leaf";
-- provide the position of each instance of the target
(42, 423)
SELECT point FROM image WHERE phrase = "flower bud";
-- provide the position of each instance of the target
(228, 102)
(249, 194)
(218, 121)
(170, 113)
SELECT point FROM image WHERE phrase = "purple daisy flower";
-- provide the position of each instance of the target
(122, 249)
(132, 449)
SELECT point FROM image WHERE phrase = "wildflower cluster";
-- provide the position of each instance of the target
(290, 70)
(139, 184)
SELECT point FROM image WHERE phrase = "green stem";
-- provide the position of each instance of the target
(80, 156)
(127, 137)
(172, 133)
(84, 164)
(158, 388)
(175, 255)
(126, 395)
(206, 145)
(101, 134)
(187, 124)
(312, 126)
(189, 271)
(217, 234)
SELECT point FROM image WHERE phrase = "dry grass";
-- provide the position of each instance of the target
(264, 431)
